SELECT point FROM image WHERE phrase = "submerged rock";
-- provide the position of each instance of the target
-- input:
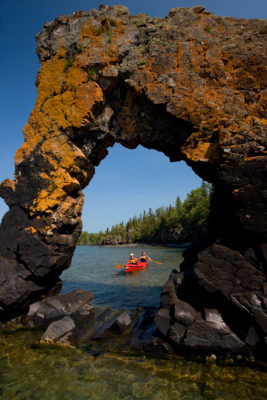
(121, 323)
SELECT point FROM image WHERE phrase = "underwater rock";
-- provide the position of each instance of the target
(122, 322)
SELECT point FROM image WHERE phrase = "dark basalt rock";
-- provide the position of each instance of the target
(76, 304)
(184, 313)
(207, 338)
(61, 331)
(236, 324)
(178, 85)
(163, 320)
(121, 323)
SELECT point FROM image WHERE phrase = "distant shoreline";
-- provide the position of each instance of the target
(182, 245)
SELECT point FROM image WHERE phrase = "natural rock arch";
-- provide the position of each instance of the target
(190, 85)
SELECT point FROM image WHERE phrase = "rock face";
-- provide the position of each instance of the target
(190, 233)
(236, 324)
(75, 304)
(193, 86)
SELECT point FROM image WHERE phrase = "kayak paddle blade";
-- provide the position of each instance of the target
(119, 266)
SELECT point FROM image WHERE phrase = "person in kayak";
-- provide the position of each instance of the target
(144, 257)
(132, 259)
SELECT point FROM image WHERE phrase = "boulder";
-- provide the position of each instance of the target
(76, 304)
(121, 323)
(163, 320)
(184, 313)
(61, 331)
(168, 294)
(228, 274)
(205, 337)
(177, 332)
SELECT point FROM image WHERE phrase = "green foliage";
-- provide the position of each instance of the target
(69, 63)
(91, 72)
(99, 31)
(142, 61)
(86, 238)
(194, 210)
(109, 35)
(80, 49)
(145, 51)
(207, 28)
(196, 205)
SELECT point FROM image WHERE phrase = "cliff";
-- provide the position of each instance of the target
(193, 86)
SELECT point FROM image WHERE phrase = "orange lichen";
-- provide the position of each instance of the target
(197, 82)
(9, 183)
(30, 229)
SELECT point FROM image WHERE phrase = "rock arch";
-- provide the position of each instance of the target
(192, 86)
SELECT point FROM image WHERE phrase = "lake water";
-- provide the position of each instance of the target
(30, 371)
(93, 268)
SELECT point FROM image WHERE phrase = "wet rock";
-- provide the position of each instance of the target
(76, 304)
(122, 322)
(157, 346)
(177, 332)
(163, 320)
(60, 331)
(207, 337)
(144, 328)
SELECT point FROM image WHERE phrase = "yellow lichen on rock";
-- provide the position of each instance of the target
(46, 200)
(197, 150)
(59, 151)
(26, 148)
(30, 229)
(51, 76)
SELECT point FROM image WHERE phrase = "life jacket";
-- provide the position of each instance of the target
(132, 261)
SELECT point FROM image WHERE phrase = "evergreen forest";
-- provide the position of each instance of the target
(145, 228)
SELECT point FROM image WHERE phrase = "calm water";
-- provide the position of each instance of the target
(29, 371)
(93, 268)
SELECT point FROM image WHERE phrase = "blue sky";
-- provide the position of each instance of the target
(127, 181)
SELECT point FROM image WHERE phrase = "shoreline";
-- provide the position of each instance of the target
(173, 245)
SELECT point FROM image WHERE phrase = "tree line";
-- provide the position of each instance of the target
(145, 227)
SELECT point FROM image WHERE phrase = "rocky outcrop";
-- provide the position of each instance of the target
(61, 331)
(64, 316)
(191, 85)
(236, 324)
(191, 233)
(75, 304)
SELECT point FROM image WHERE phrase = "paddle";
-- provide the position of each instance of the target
(157, 262)
(119, 266)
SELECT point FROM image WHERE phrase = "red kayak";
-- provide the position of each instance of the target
(136, 267)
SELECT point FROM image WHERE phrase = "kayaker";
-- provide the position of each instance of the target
(132, 259)
(144, 257)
